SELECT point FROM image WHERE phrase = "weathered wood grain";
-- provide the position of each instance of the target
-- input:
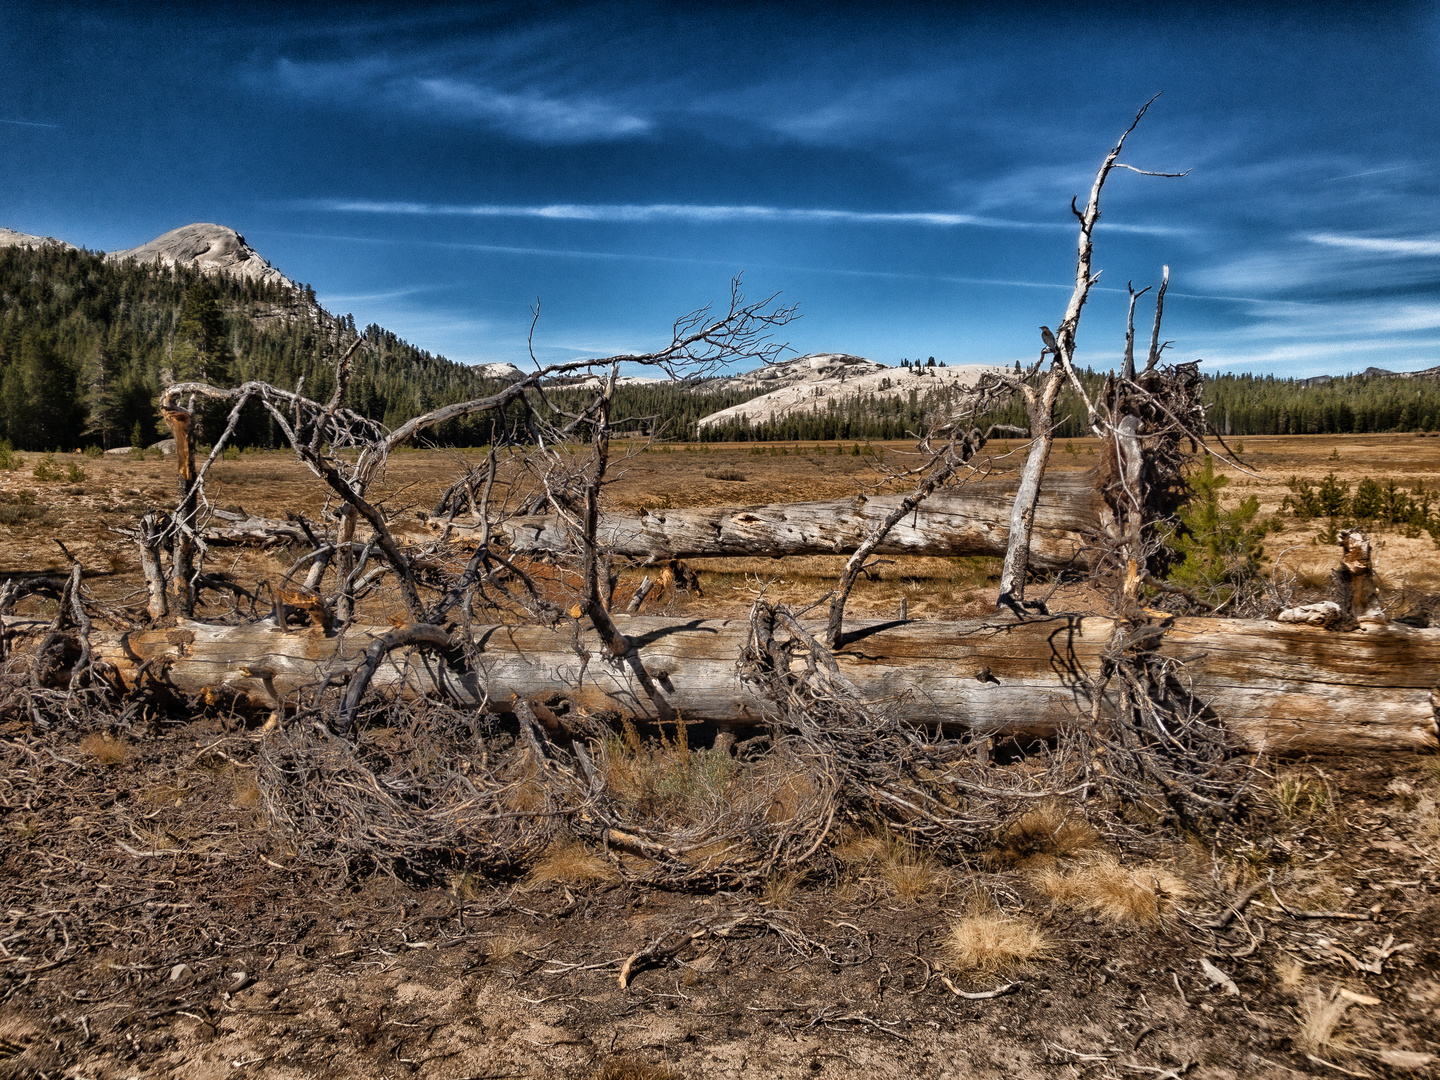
(973, 520)
(1283, 687)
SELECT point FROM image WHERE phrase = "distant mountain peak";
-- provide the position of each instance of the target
(11, 238)
(209, 248)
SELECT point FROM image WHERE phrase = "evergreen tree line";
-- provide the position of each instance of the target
(85, 345)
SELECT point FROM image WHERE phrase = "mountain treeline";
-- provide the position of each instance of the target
(86, 344)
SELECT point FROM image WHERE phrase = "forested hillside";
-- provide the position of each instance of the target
(85, 345)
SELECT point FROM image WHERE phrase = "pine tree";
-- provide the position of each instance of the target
(202, 340)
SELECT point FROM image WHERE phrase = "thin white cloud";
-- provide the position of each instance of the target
(707, 214)
(534, 115)
(1377, 245)
(28, 123)
(526, 113)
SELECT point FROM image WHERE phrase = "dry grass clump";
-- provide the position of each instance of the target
(987, 941)
(1290, 972)
(104, 750)
(907, 872)
(1113, 892)
(1320, 1019)
(1427, 821)
(569, 862)
(780, 887)
(1295, 795)
(663, 777)
(507, 946)
(1040, 837)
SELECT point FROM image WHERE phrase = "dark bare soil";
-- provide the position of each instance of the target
(153, 924)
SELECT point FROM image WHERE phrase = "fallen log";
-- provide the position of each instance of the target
(1285, 688)
(225, 528)
(974, 520)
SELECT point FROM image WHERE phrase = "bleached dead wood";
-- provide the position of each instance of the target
(975, 521)
(1283, 687)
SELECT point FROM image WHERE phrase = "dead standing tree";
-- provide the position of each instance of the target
(1040, 395)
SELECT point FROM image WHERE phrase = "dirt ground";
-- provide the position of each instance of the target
(152, 922)
(154, 926)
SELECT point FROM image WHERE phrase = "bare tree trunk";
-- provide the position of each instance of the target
(150, 537)
(182, 551)
(1040, 408)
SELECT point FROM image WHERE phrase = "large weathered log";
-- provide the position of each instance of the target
(1283, 687)
(974, 520)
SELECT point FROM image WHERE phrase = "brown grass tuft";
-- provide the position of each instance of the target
(990, 941)
(907, 872)
(910, 873)
(1041, 836)
(1290, 972)
(1113, 892)
(103, 750)
(1320, 1018)
(1298, 796)
(569, 862)
(503, 947)
(780, 887)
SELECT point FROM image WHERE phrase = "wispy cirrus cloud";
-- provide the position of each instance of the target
(527, 112)
(533, 114)
(702, 214)
(1377, 245)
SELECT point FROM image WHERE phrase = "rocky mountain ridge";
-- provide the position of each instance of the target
(210, 248)
(820, 380)
(11, 238)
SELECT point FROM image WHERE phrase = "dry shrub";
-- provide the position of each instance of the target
(987, 941)
(569, 862)
(792, 793)
(1320, 1019)
(526, 792)
(1113, 892)
(104, 750)
(1041, 836)
(628, 1069)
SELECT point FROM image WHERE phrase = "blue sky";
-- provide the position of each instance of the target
(903, 173)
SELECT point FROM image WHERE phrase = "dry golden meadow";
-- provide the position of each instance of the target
(155, 924)
(116, 488)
